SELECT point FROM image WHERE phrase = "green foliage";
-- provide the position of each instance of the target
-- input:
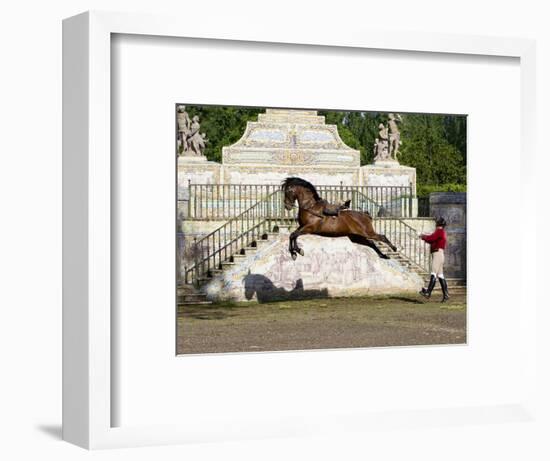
(426, 146)
(424, 190)
(434, 144)
(357, 129)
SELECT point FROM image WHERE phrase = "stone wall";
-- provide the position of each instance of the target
(388, 174)
(330, 267)
(452, 207)
(188, 232)
(199, 228)
(275, 174)
(197, 171)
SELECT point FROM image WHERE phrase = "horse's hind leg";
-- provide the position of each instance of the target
(369, 243)
(387, 241)
(383, 238)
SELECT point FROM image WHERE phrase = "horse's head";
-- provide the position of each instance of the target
(298, 189)
(290, 197)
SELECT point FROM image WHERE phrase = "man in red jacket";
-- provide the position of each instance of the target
(438, 243)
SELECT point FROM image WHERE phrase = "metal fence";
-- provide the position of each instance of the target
(209, 253)
(234, 236)
(406, 239)
(225, 201)
(423, 207)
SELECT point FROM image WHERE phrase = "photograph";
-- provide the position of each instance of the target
(302, 229)
(262, 232)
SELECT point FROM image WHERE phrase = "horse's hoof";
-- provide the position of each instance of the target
(294, 256)
(301, 252)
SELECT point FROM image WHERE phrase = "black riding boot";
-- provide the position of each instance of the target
(427, 292)
(444, 288)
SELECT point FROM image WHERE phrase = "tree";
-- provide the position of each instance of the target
(426, 147)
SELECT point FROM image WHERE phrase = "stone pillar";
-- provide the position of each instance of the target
(452, 207)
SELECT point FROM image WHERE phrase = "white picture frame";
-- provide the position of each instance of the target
(87, 182)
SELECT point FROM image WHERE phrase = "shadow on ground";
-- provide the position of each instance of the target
(266, 291)
(406, 299)
(209, 313)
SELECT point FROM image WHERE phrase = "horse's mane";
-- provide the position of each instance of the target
(289, 182)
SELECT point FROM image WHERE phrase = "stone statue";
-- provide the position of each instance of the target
(381, 144)
(395, 135)
(190, 141)
(184, 124)
(202, 143)
(195, 140)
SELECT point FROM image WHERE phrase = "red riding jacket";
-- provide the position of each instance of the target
(437, 240)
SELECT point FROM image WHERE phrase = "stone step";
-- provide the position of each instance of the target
(188, 295)
(185, 289)
(194, 302)
(195, 295)
(187, 302)
(282, 228)
(201, 303)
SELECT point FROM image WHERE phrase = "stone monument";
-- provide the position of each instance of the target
(386, 170)
(395, 135)
(381, 144)
(190, 142)
(288, 142)
(190, 145)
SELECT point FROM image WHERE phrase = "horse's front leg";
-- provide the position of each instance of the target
(293, 245)
(291, 249)
(307, 229)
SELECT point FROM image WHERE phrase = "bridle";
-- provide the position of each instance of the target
(309, 211)
(299, 208)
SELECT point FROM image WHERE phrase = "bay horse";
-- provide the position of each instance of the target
(355, 225)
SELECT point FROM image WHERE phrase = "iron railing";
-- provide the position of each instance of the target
(407, 240)
(226, 201)
(244, 230)
(254, 223)
(423, 207)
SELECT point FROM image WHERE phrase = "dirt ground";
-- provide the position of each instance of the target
(321, 324)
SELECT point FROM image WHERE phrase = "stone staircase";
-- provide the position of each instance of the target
(456, 285)
(241, 255)
(189, 295)
(401, 259)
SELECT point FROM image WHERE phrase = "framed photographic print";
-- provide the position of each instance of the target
(245, 283)
(233, 195)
